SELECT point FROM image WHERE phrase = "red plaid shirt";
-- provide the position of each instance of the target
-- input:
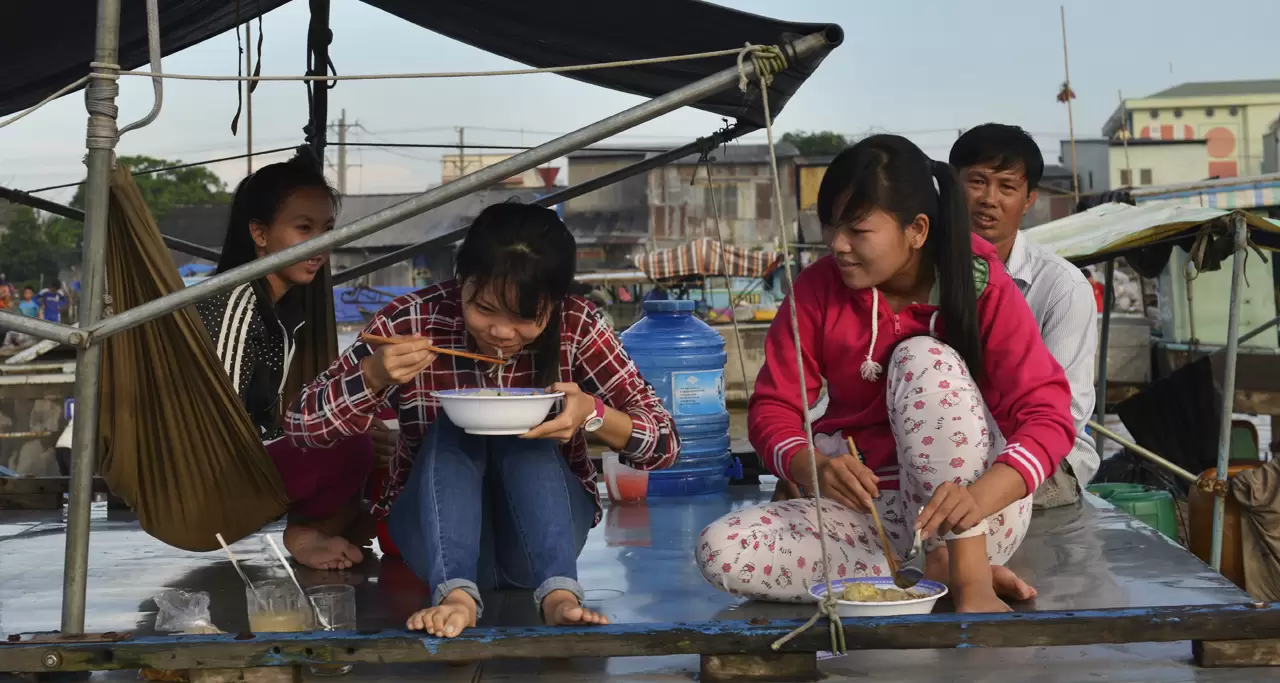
(337, 404)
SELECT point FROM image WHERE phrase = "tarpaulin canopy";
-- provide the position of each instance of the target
(49, 43)
(706, 257)
(1117, 229)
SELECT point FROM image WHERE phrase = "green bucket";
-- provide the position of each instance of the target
(1155, 508)
(1107, 490)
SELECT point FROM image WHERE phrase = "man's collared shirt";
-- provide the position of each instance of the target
(1064, 305)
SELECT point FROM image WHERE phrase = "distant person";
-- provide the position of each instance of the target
(29, 308)
(1099, 292)
(7, 292)
(53, 301)
(1000, 167)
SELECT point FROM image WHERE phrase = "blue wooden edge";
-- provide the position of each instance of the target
(931, 631)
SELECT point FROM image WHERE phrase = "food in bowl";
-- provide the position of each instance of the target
(867, 592)
(855, 600)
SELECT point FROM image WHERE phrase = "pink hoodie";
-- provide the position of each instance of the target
(1024, 387)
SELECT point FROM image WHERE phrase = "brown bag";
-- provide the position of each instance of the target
(175, 442)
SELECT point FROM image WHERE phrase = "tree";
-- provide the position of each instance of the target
(165, 189)
(33, 247)
(29, 251)
(818, 143)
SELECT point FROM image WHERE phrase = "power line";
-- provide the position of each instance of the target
(277, 150)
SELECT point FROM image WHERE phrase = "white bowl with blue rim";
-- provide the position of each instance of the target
(493, 412)
(931, 590)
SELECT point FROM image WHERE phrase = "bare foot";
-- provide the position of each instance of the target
(561, 608)
(317, 550)
(446, 620)
(1009, 586)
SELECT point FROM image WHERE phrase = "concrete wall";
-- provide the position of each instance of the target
(1093, 163)
(1177, 162)
(681, 206)
(629, 193)
(1236, 140)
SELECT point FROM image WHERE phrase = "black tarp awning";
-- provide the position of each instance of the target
(49, 43)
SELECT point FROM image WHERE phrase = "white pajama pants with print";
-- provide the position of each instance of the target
(943, 432)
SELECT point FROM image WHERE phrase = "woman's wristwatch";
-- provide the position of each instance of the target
(596, 420)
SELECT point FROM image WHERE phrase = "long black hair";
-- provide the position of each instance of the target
(260, 196)
(889, 173)
(525, 254)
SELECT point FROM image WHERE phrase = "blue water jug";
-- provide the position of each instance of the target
(683, 358)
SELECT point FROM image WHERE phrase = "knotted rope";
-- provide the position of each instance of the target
(768, 61)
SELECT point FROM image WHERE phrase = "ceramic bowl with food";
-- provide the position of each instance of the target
(878, 597)
(496, 412)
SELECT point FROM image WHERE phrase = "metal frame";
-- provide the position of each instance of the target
(93, 329)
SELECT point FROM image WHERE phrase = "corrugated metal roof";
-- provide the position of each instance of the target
(1220, 88)
(1112, 228)
(456, 214)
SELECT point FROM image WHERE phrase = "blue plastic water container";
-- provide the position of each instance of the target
(684, 359)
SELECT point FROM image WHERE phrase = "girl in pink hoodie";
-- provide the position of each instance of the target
(935, 368)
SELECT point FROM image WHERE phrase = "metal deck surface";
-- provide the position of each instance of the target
(637, 567)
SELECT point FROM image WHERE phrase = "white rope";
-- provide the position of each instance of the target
(870, 369)
(153, 48)
(100, 102)
(769, 60)
(157, 74)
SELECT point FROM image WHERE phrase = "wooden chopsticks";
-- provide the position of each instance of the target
(884, 539)
(377, 340)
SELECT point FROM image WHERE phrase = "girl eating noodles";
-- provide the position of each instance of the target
(470, 512)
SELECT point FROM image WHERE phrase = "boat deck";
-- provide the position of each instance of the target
(637, 568)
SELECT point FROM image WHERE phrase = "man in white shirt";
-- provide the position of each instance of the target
(1000, 167)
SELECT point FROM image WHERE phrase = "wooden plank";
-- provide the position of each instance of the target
(772, 667)
(1233, 653)
(264, 674)
(930, 631)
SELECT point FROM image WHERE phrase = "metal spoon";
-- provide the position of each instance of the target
(909, 574)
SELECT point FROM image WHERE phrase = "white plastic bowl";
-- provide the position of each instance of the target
(515, 412)
(851, 608)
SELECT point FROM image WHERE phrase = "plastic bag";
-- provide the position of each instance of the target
(184, 612)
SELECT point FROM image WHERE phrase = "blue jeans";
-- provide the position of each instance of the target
(493, 511)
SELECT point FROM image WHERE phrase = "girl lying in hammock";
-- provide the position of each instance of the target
(255, 327)
(468, 512)
(922, 338)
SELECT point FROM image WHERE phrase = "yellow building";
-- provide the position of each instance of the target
(1231, 117)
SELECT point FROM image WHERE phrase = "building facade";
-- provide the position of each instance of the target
(1106, 165)
(1232, 118)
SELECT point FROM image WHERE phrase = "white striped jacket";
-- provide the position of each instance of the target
(255, 348)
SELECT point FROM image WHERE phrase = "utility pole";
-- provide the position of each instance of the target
(462, 151)
(342, 153)
(1071, 125)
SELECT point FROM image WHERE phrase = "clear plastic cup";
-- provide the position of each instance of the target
(624, 484)
(277, 606)
(335, 609)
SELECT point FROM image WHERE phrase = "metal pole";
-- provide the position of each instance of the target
(1228, 387)
(437, 196)
(42, 329)
(26, 199)
(101, 141)
(1104, 343)
(552, 199)
(1148, 454)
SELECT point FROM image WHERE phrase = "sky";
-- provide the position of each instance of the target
(923, 68)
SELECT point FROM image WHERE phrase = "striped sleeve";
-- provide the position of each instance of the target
(230, 321)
